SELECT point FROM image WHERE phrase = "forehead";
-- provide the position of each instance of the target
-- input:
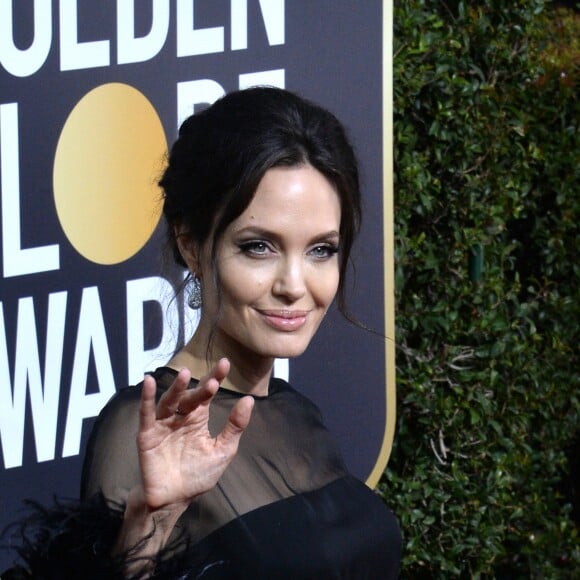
(292, 197)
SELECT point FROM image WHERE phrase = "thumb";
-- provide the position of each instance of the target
(237, 421)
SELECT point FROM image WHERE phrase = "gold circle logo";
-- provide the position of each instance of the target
(108, 160)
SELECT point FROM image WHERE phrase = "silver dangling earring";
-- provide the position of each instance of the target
(194, 298)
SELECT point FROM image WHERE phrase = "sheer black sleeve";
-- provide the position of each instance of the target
(111, 464)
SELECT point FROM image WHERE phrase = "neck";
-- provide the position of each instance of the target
(249, 373)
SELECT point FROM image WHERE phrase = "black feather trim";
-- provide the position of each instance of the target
(74, 540)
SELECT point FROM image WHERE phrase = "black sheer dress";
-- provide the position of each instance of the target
(286, 507)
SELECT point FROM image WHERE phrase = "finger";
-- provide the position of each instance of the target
(194, 398)
(178, 397)
(218, 372)
(169, 401)
(237, 421)
(206, 389)
(147, 406)
(221, 369)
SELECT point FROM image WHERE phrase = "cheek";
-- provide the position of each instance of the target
(242, 286)
(324, 287)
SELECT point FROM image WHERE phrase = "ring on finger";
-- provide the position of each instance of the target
(179, 412)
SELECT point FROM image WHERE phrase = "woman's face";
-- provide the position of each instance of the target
(278, 266)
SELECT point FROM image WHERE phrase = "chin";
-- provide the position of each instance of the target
(288, 354)
(286, 350)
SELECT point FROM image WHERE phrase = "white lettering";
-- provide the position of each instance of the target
(17, 261)
(273, 78)
(23, 63)
(91, 336)
(158, 290)
(132, 49)
(44, 400)
(75, 55)
(191, 93)
(11, 425)
(190, 41)
(273, 15)
(207, 91)
(282, 369)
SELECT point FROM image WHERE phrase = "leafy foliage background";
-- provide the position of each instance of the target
(484, 471)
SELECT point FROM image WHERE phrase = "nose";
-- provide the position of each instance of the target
(290, 283)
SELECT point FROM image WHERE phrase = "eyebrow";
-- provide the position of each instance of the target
(265, 233)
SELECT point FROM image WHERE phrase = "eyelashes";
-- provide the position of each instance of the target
(263, 249)
(254, 247)
(324, 251)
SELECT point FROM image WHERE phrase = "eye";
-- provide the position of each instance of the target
(256, 248)
(323, 251)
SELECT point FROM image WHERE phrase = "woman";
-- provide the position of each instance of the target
(234, 474)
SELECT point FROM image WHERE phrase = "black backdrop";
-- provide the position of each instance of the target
(330, 51)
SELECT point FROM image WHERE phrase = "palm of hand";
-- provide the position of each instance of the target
(179, 458)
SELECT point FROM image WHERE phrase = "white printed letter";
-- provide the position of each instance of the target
(191, 41)
(273, 78)
(91, 336)
(160, 291)
(273, 15)
(43, 399)
(16, 260)
(191, 93)
(23, 63)
(75, 55)
(132, 49)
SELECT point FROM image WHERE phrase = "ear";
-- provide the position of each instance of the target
(188, 249)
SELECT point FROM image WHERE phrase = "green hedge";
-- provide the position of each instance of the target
(487, 314)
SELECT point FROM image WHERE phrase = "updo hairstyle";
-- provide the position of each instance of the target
(223, 152)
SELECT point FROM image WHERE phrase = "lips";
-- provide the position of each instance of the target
(284, 320)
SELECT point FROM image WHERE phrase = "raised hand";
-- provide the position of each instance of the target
(179, 458)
